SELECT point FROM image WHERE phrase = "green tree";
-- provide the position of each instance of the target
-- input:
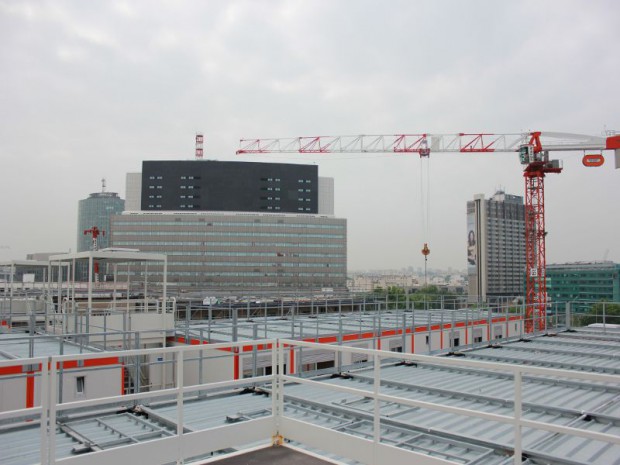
(426, 297)
(595, 315)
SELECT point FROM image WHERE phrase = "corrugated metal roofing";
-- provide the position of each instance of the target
(459, 438)
(556, 352)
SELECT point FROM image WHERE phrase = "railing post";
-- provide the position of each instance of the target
(280, 392)
(377, 407)
(179, 361)
(275, 388)
(201, 358)
(45, 403)
(517, 417)
(53, 399)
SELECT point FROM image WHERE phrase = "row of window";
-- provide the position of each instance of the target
(256, 254)
(245, 274)
(260, 273)
(255, 224)
(253, 284)
(226, 244)
(230, 234)
(182, 206)
(259, 264)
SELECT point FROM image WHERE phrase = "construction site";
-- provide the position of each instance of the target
(121, 366)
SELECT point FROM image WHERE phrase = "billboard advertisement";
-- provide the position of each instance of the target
(472, 254)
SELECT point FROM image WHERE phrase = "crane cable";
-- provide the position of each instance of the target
(425, 208)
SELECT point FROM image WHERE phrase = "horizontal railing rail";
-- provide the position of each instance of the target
(277, 425)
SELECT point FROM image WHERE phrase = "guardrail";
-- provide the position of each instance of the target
(277, 426)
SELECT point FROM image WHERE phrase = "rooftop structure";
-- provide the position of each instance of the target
(134, 299)
(20, 386)
(22, 283)
(421, 409)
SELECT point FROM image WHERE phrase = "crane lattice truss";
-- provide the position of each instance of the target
(533, 148)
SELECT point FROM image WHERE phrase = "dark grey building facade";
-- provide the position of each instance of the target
(208, 185)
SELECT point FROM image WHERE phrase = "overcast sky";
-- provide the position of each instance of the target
(89, 89)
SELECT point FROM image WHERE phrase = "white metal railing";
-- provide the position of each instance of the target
(278, 425)
(517, 371)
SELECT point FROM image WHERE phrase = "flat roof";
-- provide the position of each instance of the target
(115, 255)
(25, 263)
(16, 346)
(327, 324)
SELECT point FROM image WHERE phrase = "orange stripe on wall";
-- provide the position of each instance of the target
(14, 370)
(30, 389)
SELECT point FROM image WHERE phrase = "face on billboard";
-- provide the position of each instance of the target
(471, 243)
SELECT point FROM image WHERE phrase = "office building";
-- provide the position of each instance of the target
(133, 196)
(133, 192)
(244, 251)
(496, 246)
(207, 185)
(96, 210)
(326, 196)
(585, 282)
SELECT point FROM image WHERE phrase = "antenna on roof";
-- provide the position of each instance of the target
(199, 140)
(102, 184)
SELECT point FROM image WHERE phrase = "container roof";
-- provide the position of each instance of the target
(324, 325)
(590, 406)
(15, 346)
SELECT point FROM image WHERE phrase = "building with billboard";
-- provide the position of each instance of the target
(495, 246)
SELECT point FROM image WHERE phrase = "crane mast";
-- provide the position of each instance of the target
(533, 149)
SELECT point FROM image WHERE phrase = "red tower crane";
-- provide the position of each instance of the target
(533, 149)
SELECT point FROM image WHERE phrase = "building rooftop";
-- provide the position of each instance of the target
(327, 325)
(344, 403)
(21, 345)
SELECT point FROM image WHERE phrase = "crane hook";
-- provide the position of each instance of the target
(425, 250)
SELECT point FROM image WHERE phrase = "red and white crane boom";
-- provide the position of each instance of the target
(533, 149)
(421, 143)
